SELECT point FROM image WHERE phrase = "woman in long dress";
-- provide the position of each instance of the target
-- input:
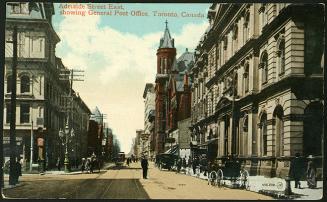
(311, 175)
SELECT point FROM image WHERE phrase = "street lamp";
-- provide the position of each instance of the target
(66, 133)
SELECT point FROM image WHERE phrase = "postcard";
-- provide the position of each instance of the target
(205, 101)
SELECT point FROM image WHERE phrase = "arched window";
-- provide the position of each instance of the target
(279, 131)
(235, 38)
(24, 84)
(244, 143)
(264, 67)
(281, 54)
(9, 78)
(263, 126)
(246, 78)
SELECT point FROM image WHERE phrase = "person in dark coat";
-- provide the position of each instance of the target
(144, 164)
(296, 170)
(18, 170)
(58, 164)
(184, 163)
(311, 174)
(128, 161)
(179, 164)
(83, 164)
(194, 164)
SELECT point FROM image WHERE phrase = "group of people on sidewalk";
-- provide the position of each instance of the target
(298, 170)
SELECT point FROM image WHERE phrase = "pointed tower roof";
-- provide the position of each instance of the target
(166, 41)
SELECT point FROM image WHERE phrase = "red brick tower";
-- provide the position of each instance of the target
(166, 54)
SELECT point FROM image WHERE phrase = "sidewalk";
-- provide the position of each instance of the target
(256, 182)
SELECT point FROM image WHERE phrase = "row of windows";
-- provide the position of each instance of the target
(24, 113)
(24, 84)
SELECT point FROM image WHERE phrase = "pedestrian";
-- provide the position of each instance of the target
(194, 164)
(88, 165)
(179, 164)
(296, 170)
(58, 164)
(184, 163)
(127, 161)
(83, 164)
(144, 164)
(18, 170)
(311, 173)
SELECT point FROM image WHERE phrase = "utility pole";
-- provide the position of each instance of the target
(13, 111)
(31, 155)
(71, 76)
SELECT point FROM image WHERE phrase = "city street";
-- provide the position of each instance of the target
(125, 183)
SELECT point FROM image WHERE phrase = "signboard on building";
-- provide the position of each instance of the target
(6, 140)
(40, 142)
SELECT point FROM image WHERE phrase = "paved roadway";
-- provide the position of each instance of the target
(124, 183)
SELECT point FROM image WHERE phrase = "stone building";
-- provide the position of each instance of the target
(258, 83)
(138, 144)
(173, 94)
(41, 95)
(149, 113)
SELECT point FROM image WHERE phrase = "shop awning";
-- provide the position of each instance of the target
(173, 150)
(212, 141)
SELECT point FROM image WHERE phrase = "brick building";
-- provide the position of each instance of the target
(172, 102)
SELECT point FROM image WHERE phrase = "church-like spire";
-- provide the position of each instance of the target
(166, 41)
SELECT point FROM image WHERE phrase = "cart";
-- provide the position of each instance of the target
(231, 171)
(166, 161)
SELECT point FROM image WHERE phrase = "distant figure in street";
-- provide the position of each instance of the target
(296, 170)
(88, 165)
(184, 163)
(311, 173)
(58, 164)
(144, 164)
(194, 164)
(179, 164)
(18, 170)
(127, 161)
(83, 164)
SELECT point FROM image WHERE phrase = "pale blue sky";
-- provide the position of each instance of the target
(118, 54)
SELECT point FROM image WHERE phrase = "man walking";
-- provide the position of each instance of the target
(144, 164)
(296, 170)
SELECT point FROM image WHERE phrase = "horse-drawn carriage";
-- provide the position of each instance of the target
(166, 161)
(231, 171)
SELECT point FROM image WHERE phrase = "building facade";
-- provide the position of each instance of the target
(149, 113)
(172, 91)
(258, 83)
(42, 97)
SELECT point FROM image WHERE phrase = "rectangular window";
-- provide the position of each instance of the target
(8, 113)
(19, 8)
(24, 113)
(40, 85)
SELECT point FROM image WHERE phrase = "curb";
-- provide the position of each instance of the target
(12, 186)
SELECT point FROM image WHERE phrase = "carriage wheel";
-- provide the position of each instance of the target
(212, 177)
(220, 177)
(244, 182)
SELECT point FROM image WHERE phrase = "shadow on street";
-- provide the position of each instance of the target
(79, 189)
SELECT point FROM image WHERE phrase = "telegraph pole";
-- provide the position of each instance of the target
(71, 76)
(13, 111)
